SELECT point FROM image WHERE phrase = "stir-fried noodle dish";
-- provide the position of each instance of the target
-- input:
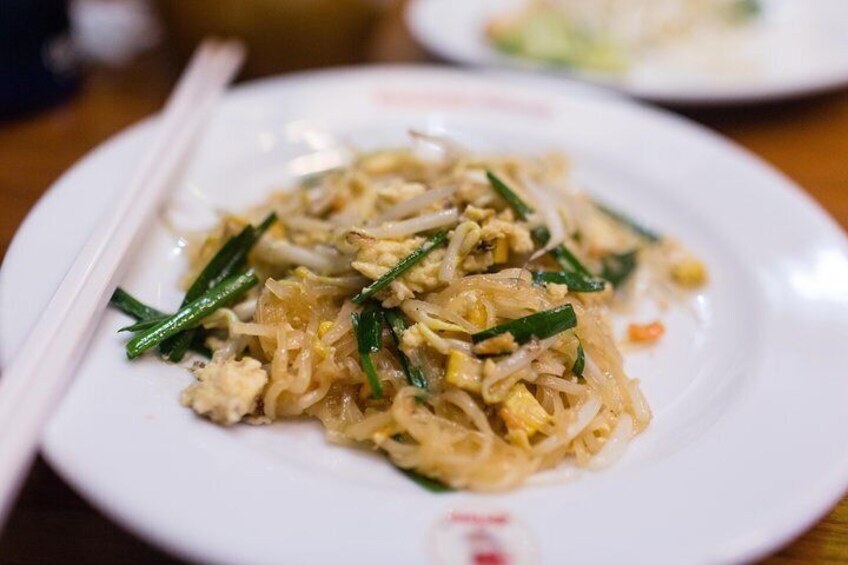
(451, 312)
(607, 35)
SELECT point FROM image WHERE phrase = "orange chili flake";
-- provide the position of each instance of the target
(645, 333)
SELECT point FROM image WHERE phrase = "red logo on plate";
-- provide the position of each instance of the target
(467, 537)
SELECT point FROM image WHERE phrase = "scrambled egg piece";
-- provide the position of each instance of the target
(478, 215)
(464, 371)
(376, 257)
(324, 327)
(475, 189)
(398, 191)
(557, 292)
(522, 414)
(412, 339)
(504, 226)
(499, 234)
(689, 272)
(226, 390)
(498, 345)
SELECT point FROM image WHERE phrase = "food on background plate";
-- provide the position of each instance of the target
(607, 35)
(450, 310)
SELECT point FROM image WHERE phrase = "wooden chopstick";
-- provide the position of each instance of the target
(33, 383)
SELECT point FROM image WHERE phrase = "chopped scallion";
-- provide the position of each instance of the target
(397, 325)
(143, 324)
(629, 222)
(540, 325)
(368, 329)
(123, 301)
(617, 267)
(231, 258)
(541, 234)
(433, 485)
(575, 282)
(193, 313)
(568, 261)
(404, 265)
(148, 317)
(580, 362)
(521, 209)
(746, 9)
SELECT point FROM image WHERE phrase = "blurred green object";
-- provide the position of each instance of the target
(281, 35)
(545, 33)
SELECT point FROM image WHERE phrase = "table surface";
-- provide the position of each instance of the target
(807, 140)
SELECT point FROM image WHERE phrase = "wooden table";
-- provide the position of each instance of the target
(808, 140)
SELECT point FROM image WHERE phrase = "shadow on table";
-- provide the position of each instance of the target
(774, 114)
(51, 524)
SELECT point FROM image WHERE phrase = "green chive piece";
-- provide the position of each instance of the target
(404, 265)
(132, 307)
(746, 9)
(541, 234)
(143, 325)
(371, 373)
(521, 209)
(231, 258)
(193, 313)
(629, 222)
(575, 282)
(368, 329)
(617, 267)
(148, 317)
(540, 325)
(580, 362)
(568, 261)
(433, 485)
(397, 325)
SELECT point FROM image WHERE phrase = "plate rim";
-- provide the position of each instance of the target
(789, 531)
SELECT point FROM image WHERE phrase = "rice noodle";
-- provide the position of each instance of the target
(498, 378)
(585, 414)
(245, 310)
(614, 447)
(561, 385)
(518, 360)
(435, 317)
(246, 328)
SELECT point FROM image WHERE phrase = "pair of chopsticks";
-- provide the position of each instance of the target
(34, 382)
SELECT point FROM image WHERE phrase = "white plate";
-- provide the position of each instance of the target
(797, 47)
(748, 446)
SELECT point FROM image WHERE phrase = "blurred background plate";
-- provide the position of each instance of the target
(791, 48)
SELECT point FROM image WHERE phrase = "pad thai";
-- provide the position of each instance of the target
(450, 312)
(606, 35)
